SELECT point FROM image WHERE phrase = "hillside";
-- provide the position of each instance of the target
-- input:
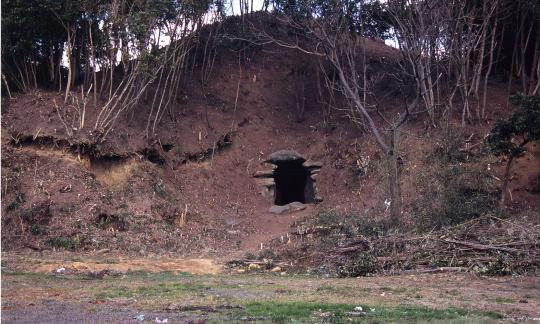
(166, 161)
(129, 194)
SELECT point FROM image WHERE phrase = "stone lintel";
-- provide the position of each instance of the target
(284, 156)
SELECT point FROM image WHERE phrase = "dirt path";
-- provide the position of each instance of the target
(272, 226)
(96, 264)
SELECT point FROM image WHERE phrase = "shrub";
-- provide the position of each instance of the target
(65, 242)
(332, 223)
(19, 200)
(451, 194)
(509, 137)
(36, 230)
(116, 222)
(447, 149)
(466, 195)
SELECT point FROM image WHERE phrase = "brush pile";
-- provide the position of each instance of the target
(487, 245)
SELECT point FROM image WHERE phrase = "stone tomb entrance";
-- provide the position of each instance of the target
(289, 178)
(293, 183)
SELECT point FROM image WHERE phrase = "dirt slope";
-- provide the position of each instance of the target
(189, 190)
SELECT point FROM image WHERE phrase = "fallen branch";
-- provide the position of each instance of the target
(33, 247)
(259, 262)
(435, 270)
(482, 247)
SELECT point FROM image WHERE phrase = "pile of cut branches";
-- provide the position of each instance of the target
(486, 245)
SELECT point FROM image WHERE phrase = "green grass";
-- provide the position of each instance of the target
(398, 290)
(425, 314)
(299, 311)
(504, 300)
(342, 290)
(327, 288)
(167, 290)
(282, 312)
(157, 276)
(34, 277)
(262, 298)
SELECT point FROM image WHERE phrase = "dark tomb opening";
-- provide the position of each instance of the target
(293, 183)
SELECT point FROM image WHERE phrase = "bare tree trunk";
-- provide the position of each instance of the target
(535, 91)
(505, 181)
(59, 78)
(488, 72)
(23, 82)
(522, 67)
(395, 188)
(7, 85)
(512, 67)
(52, 70)
(93, 53)
(299, 77)
(69, 50)
(535, 67)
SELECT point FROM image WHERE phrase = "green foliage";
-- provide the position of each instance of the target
(148, 62)
(66, 242)
(366, 18)
(369, 19)
(508, 137)
(27, 24)
(34, 32)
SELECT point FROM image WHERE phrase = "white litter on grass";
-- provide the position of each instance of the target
(165, 320)
(372, 309)
(387, 203)
(139, 317)
(358, 308)
(60, 270)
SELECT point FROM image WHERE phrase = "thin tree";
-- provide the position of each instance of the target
(509, 137)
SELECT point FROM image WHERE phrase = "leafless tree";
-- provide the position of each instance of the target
(417, 36)
(341, 54)
(452, 41)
